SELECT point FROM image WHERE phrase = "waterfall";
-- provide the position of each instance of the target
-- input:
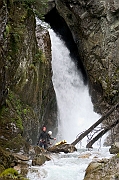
(75, 109)
(76, 114)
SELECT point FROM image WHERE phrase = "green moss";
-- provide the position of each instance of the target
(39, 57)
(9, 172)
(14, 42)
(43, 58)
(26, 111)
(7, 31)
(11, 95)
(19, 123)
(117, 156)
(33, 68)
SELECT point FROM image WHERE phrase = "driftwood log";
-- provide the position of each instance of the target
(85, 133)
(105, 130)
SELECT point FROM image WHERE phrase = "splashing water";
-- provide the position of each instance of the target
(75, 115)
(75, 108)
(67, 166)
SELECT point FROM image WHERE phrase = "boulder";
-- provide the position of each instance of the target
(106, 169)
(38, 160)
(21, 157)
(66, 148)
(92, 167)
(114, 148)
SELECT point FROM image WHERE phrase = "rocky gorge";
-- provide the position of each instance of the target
(94, 27)
(27, 97)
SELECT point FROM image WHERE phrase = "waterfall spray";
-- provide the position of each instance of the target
(75, 109)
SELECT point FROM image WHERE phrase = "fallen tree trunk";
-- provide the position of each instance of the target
(105, 130)
(95, 125)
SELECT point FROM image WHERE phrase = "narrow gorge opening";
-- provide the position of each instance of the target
(75, 109)
(60, 27)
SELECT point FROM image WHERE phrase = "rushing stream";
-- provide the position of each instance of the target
(75, 114)
(67, 166)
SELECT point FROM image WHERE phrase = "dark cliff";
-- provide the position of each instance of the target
(27, 97)
(90, 31)
(94, 26)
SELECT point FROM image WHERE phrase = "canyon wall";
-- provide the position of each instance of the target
(27, 99)
(95, 29)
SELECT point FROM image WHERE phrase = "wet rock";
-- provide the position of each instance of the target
(103, 169)
(21, 157)
(93, 166)
(35, 150)
(114, 148)
(38, 160)
(22, 167)
(95, 29)
(66, 148)
(51, 5)
(38, 150)
(39, 155)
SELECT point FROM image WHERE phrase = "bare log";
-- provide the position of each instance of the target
(95, 124)
(104, 131)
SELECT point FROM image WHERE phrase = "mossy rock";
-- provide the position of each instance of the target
(10, 173)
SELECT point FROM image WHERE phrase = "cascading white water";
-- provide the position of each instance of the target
(75, 115)
(75, 108)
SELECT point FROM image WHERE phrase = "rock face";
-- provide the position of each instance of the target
(3, 49)
(103, 169)
(95, 28)
(27, 97)
(114, 148)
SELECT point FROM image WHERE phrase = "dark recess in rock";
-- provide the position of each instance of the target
(60, 27)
